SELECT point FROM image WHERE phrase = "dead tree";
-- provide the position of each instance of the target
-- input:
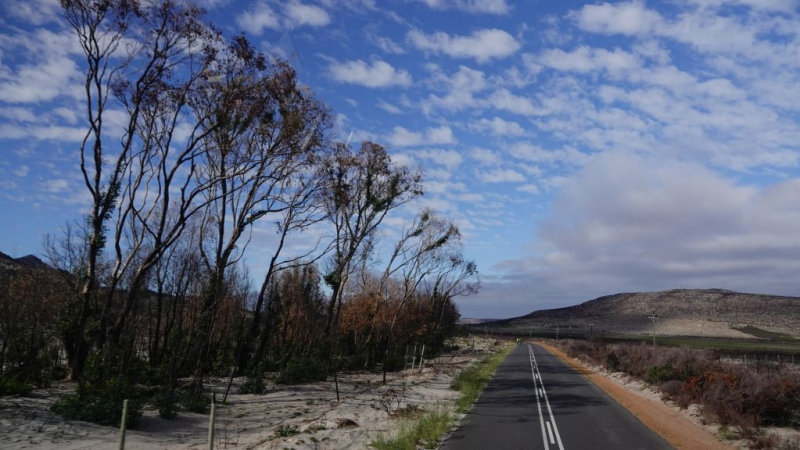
(150, 59)
(275, 130)
(361, 188)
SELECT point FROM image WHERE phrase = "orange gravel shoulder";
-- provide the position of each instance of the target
(659, 417)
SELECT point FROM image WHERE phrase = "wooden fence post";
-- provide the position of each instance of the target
(211, 425)
(122, 424)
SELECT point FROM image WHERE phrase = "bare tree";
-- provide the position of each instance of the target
(150, 58)
(417, 255)
(275, 130)
(360, 190)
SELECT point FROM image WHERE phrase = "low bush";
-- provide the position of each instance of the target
(302, 370)
(253, 385)
(661, 374)
(12, 386)
(102, 403)
(730, 394)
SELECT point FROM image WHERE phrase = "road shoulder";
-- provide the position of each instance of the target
(670, 424)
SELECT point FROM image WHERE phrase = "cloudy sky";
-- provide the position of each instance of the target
(583, 148)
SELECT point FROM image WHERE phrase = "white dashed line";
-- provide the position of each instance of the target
(553, 432)
(550, 433)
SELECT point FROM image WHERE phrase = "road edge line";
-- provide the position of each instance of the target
(672, 429)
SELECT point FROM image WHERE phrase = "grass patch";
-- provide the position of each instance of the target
(430, 426)
(471, 381)
(426, 431)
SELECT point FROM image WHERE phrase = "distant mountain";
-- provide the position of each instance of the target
(470, 321)
(32, 261)
(681, 312)
(9, 265)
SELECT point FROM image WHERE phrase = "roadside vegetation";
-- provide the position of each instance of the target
(471, 381)
(149, 295)
(427, 430)
(743, 399)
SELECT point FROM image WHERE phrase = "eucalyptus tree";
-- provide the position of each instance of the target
(147, 64)
(422, 251)
(360, 189)
(274, 131)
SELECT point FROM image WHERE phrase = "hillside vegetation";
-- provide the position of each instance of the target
(681, 312)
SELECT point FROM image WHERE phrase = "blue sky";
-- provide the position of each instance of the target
(583, 148)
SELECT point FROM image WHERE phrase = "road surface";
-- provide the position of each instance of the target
(535, 401)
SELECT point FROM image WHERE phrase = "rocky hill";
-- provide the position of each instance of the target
(681, 312)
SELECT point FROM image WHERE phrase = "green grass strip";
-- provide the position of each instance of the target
(471, 381)
(427, 430)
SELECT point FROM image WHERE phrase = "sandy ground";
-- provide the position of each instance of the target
(683, 428)
(367, 410)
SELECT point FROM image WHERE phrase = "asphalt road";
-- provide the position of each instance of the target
(535, 401)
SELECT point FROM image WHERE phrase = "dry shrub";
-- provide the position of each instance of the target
(730, 394)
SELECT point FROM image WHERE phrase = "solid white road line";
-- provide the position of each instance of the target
(550, 433)
(535, 366)
(538, 404)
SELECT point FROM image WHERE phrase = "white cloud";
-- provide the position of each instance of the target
(301, 14)
(482, 45)
(36, 12)
(401, 137)
(769, 5)
(257, 18)
(377, 74)
(498, 127)
(586, 59)
(22, 171)
(459, 89)
(388, 107)
(498, 7)
(529, 189)
(386, 44)
(500, 176)
(504, 100)
(486, 157)
(18, 114)
(627, 223)
(531, 152)
(448, 158)
(629, 18)
(286, 15)
(42, 132)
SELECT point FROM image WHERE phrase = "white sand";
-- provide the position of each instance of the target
(251, 421)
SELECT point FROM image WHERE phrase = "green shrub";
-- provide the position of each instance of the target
(612, 362)
(253, 385)
(167, 404)
(12, 386)
(197, 404)
(661, 374)
(286, 431)
(302, 370)
(102, 404)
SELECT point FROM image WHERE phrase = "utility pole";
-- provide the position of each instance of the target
(591, 331)
(654, 318)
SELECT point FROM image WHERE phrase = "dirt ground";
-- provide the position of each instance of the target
(683, 428)
(300, 417)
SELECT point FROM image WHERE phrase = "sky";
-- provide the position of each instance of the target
(583, 148)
